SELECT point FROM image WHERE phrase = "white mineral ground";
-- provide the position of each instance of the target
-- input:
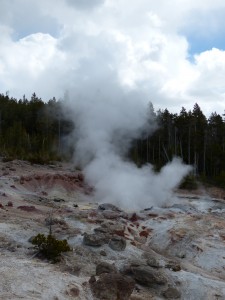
(190, 231)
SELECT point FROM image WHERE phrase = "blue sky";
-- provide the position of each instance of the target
(206, 34)
(198, 44)
(172, 52)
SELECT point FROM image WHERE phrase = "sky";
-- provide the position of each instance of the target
(172, 52)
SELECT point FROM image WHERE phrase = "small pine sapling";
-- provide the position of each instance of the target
(49, 247)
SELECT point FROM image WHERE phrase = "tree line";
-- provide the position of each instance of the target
(32, 129)
(35, 130)
(198, 140)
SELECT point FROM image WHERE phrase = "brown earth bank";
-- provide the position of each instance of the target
(171, 252)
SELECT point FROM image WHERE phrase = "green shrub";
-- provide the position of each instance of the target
(49, 247)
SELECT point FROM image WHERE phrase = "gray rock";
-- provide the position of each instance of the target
(95, 240)
(117, 243)
(126, 269)
(108, 206)
(154, 263)
(111, 228)
(148, 276)
(110, 214)
(173, 265)
(58, 200)
(113, 287)
(181, 254)
(103, 253)
(154, 259)
(74, 292)
(137, 262)
(105, 267)
(101, 230)
(92, 280)
(172, 293)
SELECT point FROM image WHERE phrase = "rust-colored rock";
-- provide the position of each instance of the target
(27, 208)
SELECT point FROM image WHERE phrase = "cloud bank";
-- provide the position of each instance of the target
(147, 44)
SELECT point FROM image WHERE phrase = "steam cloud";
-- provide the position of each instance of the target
(108, 116)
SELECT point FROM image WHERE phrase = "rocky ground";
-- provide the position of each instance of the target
(172, 252)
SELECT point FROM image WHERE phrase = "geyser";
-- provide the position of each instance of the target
(107, 118)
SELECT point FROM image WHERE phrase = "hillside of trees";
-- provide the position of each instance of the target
(34, 130)
(199, 141)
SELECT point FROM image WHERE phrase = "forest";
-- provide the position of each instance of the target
(32, 129)
(35, 130)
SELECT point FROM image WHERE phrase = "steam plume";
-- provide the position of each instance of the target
(107, 118)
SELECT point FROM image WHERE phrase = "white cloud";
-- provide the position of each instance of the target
(143, 42)
(210, 66)
(27, 63)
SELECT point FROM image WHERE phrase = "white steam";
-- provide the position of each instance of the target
(122, 183)
(107, 118)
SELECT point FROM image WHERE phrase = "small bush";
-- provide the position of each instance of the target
(49, 247)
